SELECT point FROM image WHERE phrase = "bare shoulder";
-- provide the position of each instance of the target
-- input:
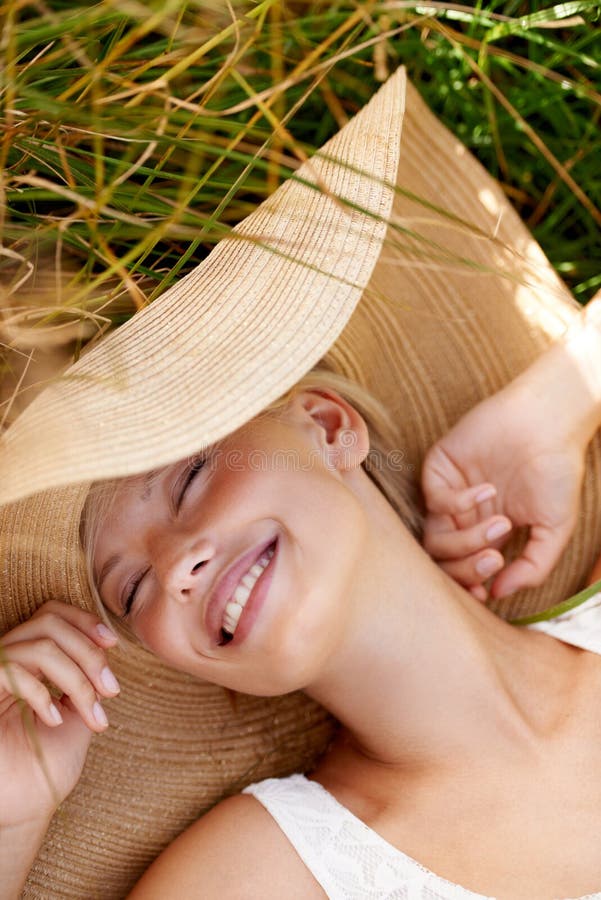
(235, 852)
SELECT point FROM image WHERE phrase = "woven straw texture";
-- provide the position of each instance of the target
(432, 335)
(139, 386)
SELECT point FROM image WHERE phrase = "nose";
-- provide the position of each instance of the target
(183, 567)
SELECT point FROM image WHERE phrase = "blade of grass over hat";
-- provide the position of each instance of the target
(223, 332)
(419, 330)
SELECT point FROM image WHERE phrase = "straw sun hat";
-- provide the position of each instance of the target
(455, 299)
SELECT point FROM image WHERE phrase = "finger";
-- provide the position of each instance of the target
(22, 685)
(74, 643)
(475, 569)
(45, 658)
(543, 549)
(71, 741)
(445, 500)
(442, 543)
(479, 592)
(89, 623)
(71, 716)
(444, 483)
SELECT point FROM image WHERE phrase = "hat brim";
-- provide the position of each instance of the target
(232, 335)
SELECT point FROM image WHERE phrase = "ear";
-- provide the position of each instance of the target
(339, 429)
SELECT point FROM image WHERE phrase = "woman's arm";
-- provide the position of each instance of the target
(235, 852)
(526, 443)
(19, 847)
(44, 740)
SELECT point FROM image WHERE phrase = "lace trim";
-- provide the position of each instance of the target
(347, 858)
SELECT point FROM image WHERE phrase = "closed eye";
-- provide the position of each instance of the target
(190, 474)
(131, 594)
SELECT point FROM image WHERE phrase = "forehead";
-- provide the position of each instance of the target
(113, 508)
(108, 500)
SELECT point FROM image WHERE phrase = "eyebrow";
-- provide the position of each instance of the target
(149, 480)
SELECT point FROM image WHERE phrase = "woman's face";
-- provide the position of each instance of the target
(271, 523)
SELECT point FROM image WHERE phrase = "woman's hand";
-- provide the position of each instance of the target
(44, 740)
(516, 459)
(501, 466)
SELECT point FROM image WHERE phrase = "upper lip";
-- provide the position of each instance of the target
(227, 583)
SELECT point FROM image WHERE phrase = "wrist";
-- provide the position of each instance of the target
(28, 831)
(566, 381)
(19, 846)
(583, 345)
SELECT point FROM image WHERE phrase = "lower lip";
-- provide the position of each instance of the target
(255, 602)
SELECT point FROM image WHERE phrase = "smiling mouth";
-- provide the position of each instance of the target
(243, 593)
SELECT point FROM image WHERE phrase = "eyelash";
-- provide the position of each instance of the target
(193, 471)
(132, 596)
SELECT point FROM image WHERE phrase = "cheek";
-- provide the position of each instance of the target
(160, 633)
(314, 596)
(333, 523)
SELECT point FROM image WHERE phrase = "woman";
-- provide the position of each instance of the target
(448, 712)
(367, 550)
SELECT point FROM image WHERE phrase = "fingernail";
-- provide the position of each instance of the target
(99, 714)
(486, 494)
(497, 530)
(487, 566)
(106, 633)
(55, 714)
(109, 680)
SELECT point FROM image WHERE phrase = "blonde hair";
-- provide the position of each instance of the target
(383, 464)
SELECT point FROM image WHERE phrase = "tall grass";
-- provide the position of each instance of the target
(135, 134)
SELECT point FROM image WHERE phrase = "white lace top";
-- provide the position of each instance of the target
(351, 861)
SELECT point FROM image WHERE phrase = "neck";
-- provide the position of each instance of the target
(423, 674)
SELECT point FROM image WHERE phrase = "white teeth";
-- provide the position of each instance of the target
(233, 609)
(232, 613)
(242, 592)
